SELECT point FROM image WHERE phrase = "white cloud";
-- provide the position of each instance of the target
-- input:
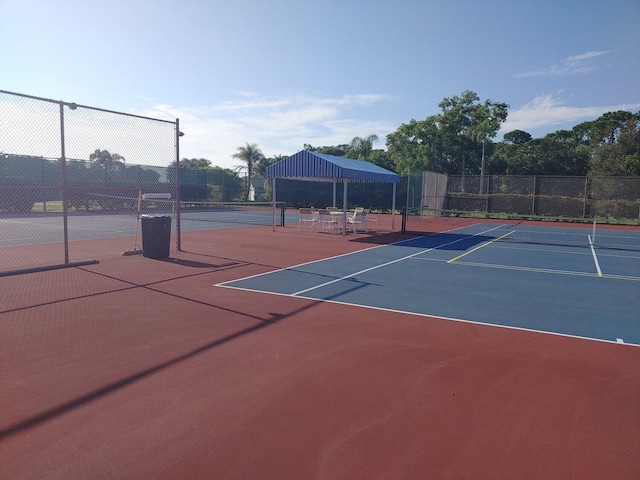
(548, 111)
(569, 66)
(278, 124)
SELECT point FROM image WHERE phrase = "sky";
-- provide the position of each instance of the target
(285, 73)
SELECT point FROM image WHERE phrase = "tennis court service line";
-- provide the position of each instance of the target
(351, 275)
(226, 284)
(595, 257)
(549, 271)
(480, 246)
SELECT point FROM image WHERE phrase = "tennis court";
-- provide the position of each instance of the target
(542, 279)
(34, 229)
(295, 354)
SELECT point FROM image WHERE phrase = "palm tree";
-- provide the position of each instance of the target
(251, 155)
(260, 168)
(362, 147)
(103, 157)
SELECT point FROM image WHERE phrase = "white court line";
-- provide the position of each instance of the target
(618, 341)
(225, 284)
(536, 270)
(595, 258)
(481, 246)
(390, 263)
(229, 285)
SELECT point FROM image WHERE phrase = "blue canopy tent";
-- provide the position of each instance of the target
(318, 167)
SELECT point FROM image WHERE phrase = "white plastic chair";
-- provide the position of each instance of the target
(358, 217)
(308, 218)
(326, 221)
(372, 218)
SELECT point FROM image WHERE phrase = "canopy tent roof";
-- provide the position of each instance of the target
(307, 165)
(318, 167)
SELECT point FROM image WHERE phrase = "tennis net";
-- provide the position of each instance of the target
(229, 213)
(597, 234)
(247, 213)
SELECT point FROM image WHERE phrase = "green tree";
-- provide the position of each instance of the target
(103, 157)
(507, 154)
(517, 137)
(383, 159)
(362, 147)
(620, 154)
(198, 163)
(335, 150)
(563, 152)
(464, 118)
(411, 147)
(250, 154)
(442, 143)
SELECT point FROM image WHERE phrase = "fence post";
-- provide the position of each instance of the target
(63, 167)
(178, 203)
(533, 195)
(487, 205)
(584, 198)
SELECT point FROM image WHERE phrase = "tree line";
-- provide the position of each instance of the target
(460, 140)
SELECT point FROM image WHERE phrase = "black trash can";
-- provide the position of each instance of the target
(156, 236)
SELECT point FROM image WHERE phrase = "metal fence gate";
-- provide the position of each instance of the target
(71, 178)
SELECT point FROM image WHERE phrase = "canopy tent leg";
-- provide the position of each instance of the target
(393, 209)
(273, 203)
(344, 209)
(334, 193)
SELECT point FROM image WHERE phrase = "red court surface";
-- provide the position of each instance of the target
(136, 368)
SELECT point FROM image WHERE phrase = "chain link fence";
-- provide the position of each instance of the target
(609, 199)
(72, 178)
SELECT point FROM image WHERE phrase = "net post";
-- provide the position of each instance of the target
(593, 232)
(135, 245)
(404, 220)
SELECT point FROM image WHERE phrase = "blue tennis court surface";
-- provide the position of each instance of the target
(48, 228)
(492, 274)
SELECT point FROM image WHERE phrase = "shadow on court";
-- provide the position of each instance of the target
(145, 369)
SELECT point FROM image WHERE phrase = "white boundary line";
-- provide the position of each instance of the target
(480, 246)
(225, 284)
(423, 315)
(595, 258)
(550, 271)
(438, 317)
(388, 263)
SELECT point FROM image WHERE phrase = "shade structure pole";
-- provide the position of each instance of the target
(273, 203)
(344, 208)
(334, 192)
(393, 208)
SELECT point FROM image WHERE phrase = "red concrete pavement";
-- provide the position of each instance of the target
(139, 368)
